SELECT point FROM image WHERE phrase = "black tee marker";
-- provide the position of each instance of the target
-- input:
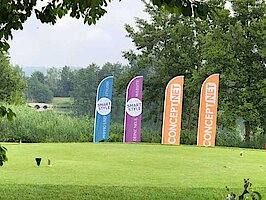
(38, 161)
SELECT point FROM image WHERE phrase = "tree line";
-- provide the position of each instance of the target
(78, 84)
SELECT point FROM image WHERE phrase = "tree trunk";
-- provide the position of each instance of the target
(247, 131)
(190, 112)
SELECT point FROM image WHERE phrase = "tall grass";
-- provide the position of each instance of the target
(47, 126)
(50, 126)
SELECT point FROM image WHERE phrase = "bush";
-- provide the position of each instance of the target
(257, 141)
(228, 137)
(235, 138)
(116, 133)
(188, 137)
(150, 135)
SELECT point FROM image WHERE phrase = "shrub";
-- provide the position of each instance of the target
(257, 141)
(150, 135)
(228, 137)
(116, 133)
(188, 137)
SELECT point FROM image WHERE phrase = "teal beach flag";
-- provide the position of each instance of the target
(103, 110)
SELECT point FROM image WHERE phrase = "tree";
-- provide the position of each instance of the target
(236, 49)
(233, 46)
(118, 97)
(12, 85)
(5, 112)
(86, 81)
(169, 47)
(186, 7)
(39, 76)
(12, 82)
(38, 90)
(84, 90)
(66, 82)
(52, 79)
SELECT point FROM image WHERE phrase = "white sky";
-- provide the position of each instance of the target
(70, 42)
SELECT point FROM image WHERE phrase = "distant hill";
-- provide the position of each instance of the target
(28, 70)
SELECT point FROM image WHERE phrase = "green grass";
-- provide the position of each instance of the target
(128, 171)
(62, 105)
(62, 100)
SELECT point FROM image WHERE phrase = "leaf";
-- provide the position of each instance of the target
(5, 46)
(157, 2)
(177, 3)
(10, 114)
(186, 10)
(258, 195)
(202, 10)
(3, 111)
(3, 148)
(3, 157)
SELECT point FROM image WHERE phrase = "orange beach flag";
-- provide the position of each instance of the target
(173, 111)
(208, 111)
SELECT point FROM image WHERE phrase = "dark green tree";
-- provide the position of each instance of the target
(12, 85)
(38, 90)
(39, 76)
(12, 82)
(189, 8)
(84, 90)
(232, 45)
(169, 46)
(66, 82)
(235, 48)
(86, 81)
(52, 79)
(5, 112)
(118, 97)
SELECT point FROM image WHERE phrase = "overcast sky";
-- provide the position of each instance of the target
(72, 43)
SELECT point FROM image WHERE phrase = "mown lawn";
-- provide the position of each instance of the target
(128, 171)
